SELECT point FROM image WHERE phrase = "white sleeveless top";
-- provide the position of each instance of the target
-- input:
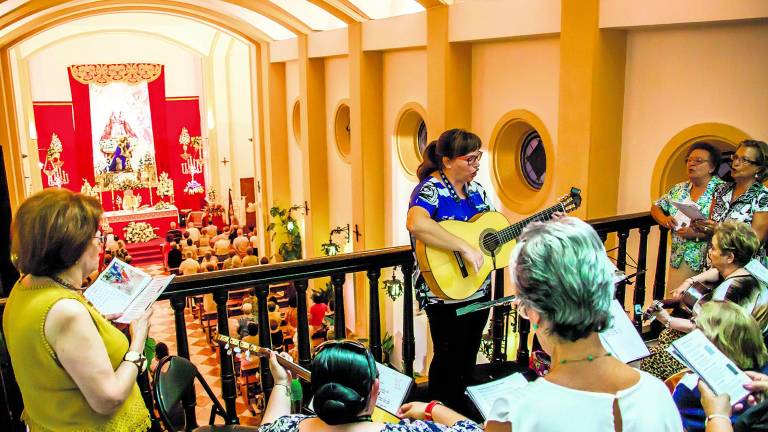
(542, 406)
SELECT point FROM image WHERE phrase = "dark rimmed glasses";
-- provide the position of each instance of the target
(740, 159)
(471, 159)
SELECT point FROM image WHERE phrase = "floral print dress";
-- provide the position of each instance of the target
(692, 252)
(754, 200)
(290, 423)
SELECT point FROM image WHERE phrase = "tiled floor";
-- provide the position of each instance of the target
(203, 355)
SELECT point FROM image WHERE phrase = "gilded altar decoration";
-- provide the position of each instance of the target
(193, 157)
(117, 143)
(53, 164)
(130, 201)
(164, 185)
(103, 74)
(89, 190)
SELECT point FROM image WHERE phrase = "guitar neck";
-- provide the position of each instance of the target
(513, 231)
(295, 369)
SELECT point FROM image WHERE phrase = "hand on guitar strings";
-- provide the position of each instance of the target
(473, 256)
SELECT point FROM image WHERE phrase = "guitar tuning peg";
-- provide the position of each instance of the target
(237, 349)
(229, 351)
(248, 355)
(226, 347)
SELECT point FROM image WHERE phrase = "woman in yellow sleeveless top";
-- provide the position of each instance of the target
(75, 370)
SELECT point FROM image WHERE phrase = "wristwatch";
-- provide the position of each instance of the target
(138, 359)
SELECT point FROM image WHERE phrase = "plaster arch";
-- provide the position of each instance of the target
(670, 164)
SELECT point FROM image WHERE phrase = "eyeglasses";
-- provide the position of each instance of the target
(471, 159)
(696, 161)
(740, 159)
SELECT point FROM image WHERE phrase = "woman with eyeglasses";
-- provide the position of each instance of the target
(565, 287)
(447, 190)
(746, 198)
(689, 246)
(76, 371)
(737, 335)
(345, 387)
(734, 244)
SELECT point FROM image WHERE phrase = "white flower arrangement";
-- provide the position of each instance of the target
(55, 148)
(164, 185)
(125, 183)
(162, 205)
(139, 232)
(193, 187)
(211, 194)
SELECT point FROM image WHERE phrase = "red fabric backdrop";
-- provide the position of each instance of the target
(182, 112)
(56, 117)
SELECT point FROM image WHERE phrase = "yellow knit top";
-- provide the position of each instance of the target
(52, 400)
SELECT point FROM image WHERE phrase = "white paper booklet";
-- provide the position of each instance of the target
(718, 371)
(123, 288)
(484, 395)
(622, 339)
(393, 388)
(689, 209)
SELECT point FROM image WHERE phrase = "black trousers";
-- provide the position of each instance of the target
(456, 342)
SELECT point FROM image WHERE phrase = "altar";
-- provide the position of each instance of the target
(159, 219)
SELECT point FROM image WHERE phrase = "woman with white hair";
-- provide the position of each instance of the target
(565, 286)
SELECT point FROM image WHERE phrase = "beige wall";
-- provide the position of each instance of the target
(680, 77)
(339, 171)
(512, 75)
(294, 149)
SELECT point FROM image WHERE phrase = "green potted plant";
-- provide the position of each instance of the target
(290, 248)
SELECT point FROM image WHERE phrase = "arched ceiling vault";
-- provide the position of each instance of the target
(342, 9)
(432, 3)
(227, 23)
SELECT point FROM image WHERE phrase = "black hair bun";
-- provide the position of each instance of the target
(337, 404)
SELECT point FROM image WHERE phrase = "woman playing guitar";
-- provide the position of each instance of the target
(446, 190)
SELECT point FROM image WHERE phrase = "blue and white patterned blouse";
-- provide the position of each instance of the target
(290, 423)
(434, 197)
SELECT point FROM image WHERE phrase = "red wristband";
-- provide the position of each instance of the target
(429, 408)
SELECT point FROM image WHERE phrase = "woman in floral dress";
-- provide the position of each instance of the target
(689, 246)
(345, 387)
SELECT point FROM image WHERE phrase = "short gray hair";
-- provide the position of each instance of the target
(562, 271)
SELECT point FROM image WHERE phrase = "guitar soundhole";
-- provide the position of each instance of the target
(489, 242)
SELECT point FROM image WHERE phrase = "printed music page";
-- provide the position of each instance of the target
(393, 388)
(484, 395)
(621, 338)
(717, 370)
(122, 288)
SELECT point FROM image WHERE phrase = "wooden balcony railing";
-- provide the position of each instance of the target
(220, 283)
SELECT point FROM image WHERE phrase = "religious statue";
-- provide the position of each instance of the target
(117, 143)
(130, 201)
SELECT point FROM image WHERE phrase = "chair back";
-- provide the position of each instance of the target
(169, 387)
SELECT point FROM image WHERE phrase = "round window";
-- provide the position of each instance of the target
(533, 160)
(422, 137)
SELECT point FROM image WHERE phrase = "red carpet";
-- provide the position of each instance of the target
(146, 253)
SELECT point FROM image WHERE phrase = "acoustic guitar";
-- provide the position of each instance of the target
(446, 273)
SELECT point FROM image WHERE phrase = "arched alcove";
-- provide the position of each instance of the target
(341, 130)
(521, 150)
(670, 165)
(296, 121)
(410, 136)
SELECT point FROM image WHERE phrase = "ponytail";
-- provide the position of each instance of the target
(451, 143)
(430, 162)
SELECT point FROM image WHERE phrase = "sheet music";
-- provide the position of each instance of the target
(717, 370)
(689, 209)
(484, 395)
(622, 339)
(393, 388)
(142, 302)
(116, 287)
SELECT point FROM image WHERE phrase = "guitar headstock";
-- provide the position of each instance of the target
(572, 200)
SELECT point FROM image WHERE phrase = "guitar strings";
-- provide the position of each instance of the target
(491, 241)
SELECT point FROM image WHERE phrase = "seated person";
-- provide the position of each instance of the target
(564, 283)
(189, 265)
(247, 318)
(249, 365)
(233, 261)
(175, 232)
(221, 248)
(734, 244)
(345, 386)
(250, 259)
(121, 251)
(276, 335)
(161, 352)
(241, 243)
(736, 334)
(209, 259)
(189, 248)
(263, 260)
(317, 312)
(194, 233)
(205, 245)
(174, 256)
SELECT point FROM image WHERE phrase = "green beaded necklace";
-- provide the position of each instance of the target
(588, 358)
